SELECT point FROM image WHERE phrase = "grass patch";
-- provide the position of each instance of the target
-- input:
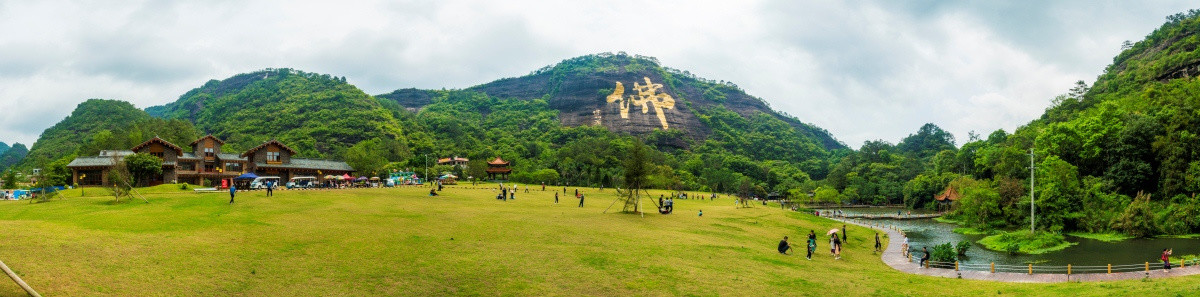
(1024, 242)
(947, 220)
(1184, 236)
(970, 231)
(1105, 237)
(401, 242)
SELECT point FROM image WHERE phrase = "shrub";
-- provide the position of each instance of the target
(962, 247)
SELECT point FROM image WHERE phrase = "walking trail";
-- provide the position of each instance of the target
(893, 256)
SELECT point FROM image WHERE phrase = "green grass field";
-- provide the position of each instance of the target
(400, 242)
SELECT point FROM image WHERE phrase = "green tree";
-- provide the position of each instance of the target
(142, 166)
(367, 157)
(10, 179)
(637, 167)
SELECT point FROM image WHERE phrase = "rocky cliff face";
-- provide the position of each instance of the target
(585, 91)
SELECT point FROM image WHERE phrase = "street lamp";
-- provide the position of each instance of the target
(426, 167)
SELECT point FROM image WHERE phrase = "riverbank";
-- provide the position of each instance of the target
(893, 257)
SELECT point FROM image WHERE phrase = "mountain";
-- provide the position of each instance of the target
(88, 118)
(12, 155)
(580, 89)
(3, 147)
(567, 123)
(318, 115)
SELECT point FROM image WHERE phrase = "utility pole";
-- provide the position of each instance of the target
(426, 167)
(1031, 190)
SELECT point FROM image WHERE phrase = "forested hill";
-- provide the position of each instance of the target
(3, 147)
(579, 89)
(1122, 154)
(88, 118)
(12, 155)
(561, 124)
(317, 114)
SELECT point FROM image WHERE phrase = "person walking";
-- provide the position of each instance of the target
(1166, 258)
(543, 186)
(232, 191)
(812, 244)
(844, 233)
(904, 247)
(504, 193)
(580, 200)
(270, 188)
(837, 248)
(555, 197)
(878, 245)
(784, 246)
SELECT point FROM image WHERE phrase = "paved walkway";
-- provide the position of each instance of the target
(894, 257)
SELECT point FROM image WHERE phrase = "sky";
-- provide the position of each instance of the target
(864, 70)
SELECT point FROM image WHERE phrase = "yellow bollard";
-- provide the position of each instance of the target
(1030, 269)
(993, 267)
(1147, 267)
(955, 265)
(1068, 269)
(1109, 268)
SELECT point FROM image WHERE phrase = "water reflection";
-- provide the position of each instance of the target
(927, 233)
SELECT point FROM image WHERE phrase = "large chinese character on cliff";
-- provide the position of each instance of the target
(647, 96)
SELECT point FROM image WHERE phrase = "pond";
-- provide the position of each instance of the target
(927, 233)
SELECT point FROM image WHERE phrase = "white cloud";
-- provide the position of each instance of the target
(862, 69)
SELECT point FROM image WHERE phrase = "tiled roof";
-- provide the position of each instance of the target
(314, 164)
(159, 140)
(188, 156)
(120, 153)
(264, 144)
(498, 161)
(91, 162)
(208, 136)
(230, 157)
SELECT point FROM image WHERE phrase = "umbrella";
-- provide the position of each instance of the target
(374, 178)
(346, 176)
(329, 177)
(362, 178)
(832, 231)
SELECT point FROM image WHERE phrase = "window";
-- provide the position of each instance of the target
(157, 154)
(187, 166)
(273, 157)
(233, 167)
(208, 152)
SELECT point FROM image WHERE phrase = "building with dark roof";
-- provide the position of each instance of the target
(206, 164)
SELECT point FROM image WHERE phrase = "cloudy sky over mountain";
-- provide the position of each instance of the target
(864, 70)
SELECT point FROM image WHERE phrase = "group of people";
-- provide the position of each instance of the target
(505, 194)
(835, 244)
(666, 206)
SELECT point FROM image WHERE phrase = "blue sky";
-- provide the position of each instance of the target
(864, 70)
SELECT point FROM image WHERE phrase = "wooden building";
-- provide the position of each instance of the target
(206, 164)
(498, 168)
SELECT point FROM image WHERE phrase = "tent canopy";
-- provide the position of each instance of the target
(248, 175)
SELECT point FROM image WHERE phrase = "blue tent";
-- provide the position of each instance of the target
(248, 175)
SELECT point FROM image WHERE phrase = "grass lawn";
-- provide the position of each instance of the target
(400, 242)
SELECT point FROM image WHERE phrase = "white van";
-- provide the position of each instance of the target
(261, 182)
